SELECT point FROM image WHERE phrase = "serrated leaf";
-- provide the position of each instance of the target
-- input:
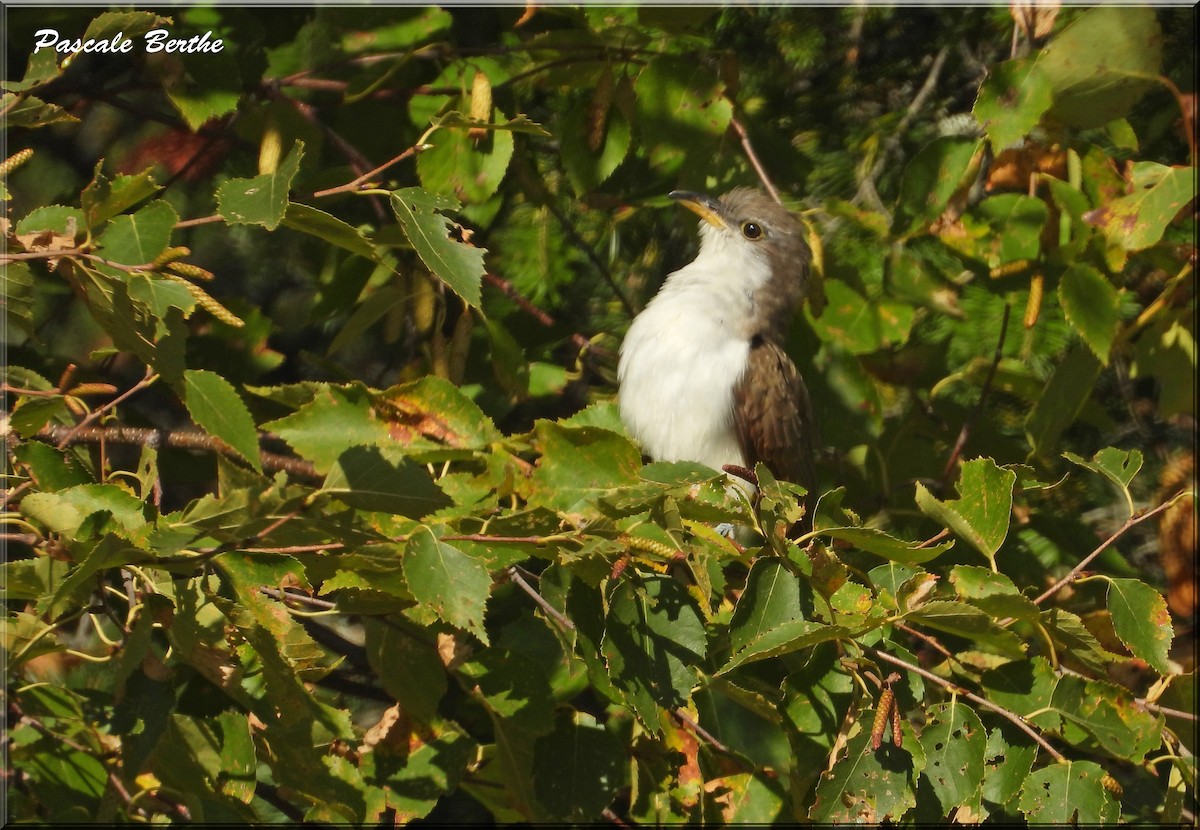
(459, 166)
(262, 200)
(1142, 621)
(1092, 306)
(868, 786)
(337, 418)
(954, 743)
(653, 642)
(455, 586)
(64, 511)
(307, 219)
(457, 264)
(792, 636)
(963, 620)
(217, 408)
(1068, 793)
(1011, 101)
(982, 515)
(770, 599)
(683, 105)
(31, 112)
(1018, 221)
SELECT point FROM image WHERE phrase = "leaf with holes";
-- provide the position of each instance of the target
(954, 742)
(1068, 793)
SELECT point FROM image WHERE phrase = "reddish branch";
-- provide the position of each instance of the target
(178, 439)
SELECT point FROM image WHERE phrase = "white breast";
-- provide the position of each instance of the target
(684, 354)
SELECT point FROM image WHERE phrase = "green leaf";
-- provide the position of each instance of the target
(1068, 793)
(577, 769)
(588, 168)
(318, 223)
(932, 177)
(141, 238)
(1092, 306)
(455, 586)
(868, 786)
(982, 515)
(370, 478)
(459, 166)
(32, 112)
(104, 198)
(64, 511)
(770, 599)
(1009, 760)
(580, 464)
(1138, 220)
(336, 419)
(1106, 713)
(262, 200)
(217, 408)
(457, 264)
(1142, 621)
(792, 636)
(207, 86)
(1011, 101)
(1063, 398)
(1025, 687)
(954, 742)
(1118, 466)
(513, 686)
(414, 776)
(58, 219)
(963, 620)
(749, 798)
(1102, 64)
(653, 641)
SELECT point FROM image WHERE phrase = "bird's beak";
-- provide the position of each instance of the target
(706, 207)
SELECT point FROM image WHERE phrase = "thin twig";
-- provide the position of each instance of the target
(1136, 518)
(203, 220)
(297, 548)
(351, 186)
(552, 612)
(963, 433)
(984, 702)
(303, 599)
(750, 154)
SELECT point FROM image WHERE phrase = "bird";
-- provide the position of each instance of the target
(702, 373)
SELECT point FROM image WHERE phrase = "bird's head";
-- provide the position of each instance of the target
(747, 224)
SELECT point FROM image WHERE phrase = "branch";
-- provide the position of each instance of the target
(750, 154)
(1135, 519)
(351, 186)
(514, 575)
(1016, 719)
(178, 439)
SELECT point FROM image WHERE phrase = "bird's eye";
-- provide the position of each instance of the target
(752, 230)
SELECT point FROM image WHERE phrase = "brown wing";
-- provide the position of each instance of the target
(773, 415)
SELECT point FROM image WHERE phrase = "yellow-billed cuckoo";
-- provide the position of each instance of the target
(703, 373)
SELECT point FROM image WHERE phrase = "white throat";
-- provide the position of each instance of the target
(687, 350)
